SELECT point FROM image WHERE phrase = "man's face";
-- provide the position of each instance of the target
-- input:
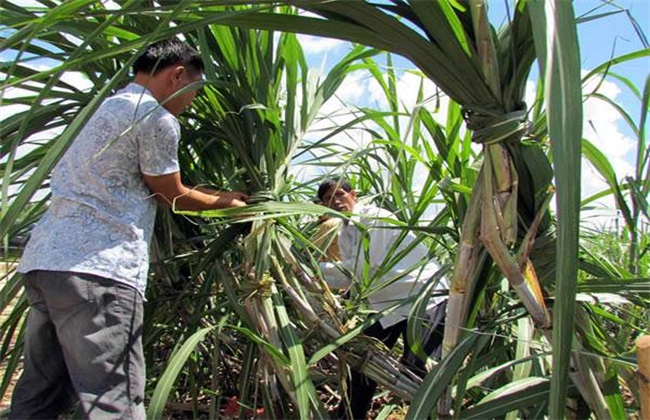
(181, 77)
(340, 200)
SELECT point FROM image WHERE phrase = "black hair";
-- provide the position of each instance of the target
(336, 182)
(162, 54)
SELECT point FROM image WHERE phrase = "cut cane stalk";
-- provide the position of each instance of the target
(463, 276)
(365, 354)
(527, 288)
(529, 239)
(470, 259)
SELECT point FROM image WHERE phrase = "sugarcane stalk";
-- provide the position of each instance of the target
(529, 239)
(464, 274)
(643, 356)
(582, 375)
(530, 295)
(386, 371)
(485, 45)
(261, 322)
(374, 363)
(325, 301)
(504, 182)
(259, 288)
(302, 306)
(462, 283)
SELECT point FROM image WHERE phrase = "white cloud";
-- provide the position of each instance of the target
(78, 80)
(111, 5)
(361, 89)
(317, 45)
(602, 127)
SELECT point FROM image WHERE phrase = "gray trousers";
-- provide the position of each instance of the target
(83, 342)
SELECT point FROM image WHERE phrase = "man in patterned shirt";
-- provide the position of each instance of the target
(86, 262)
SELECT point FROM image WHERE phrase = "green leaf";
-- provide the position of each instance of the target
(438, 379)
(305, 390)
(514, 396)
(604, 167)
(166, 382)
(557, 49)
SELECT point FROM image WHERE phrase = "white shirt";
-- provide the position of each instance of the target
(412, 271)
(101, 216)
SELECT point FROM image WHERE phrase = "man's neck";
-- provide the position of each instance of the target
(151, 84)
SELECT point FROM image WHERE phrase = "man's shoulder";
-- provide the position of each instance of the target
(371, 210)
(372, 215)
(135, 104)
(132, 96)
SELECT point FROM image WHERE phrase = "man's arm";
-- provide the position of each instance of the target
(334, 276)
(168, 187)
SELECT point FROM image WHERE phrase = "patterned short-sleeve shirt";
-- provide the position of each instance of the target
(101, 216)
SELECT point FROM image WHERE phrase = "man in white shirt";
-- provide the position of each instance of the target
(86, 262)
(390, 270)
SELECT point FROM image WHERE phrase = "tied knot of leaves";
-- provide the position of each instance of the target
(491, 128)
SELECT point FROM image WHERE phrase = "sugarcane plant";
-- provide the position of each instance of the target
(235, 299)
(456, 48)
(454, 44)
(259, 121)
(256, 106)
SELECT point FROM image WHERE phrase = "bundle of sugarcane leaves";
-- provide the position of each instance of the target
(307, 339)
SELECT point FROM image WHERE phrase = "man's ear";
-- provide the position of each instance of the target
(177, 73)
(353, 193)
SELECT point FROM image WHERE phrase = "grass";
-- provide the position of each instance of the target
(6, 269)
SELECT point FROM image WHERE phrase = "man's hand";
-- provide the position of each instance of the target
(169, 190)
(232, 198)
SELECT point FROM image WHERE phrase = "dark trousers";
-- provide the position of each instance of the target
(83, 342)
(361, 389)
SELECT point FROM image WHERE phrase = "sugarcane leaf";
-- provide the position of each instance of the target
(262, 211)
(436, 381)
(616, 286)
(604, 167)
(524, 341)
(415, 330)
(386, 411)
(604, 193)
(166, 382)
(613, 395)
(13, 306)
(514, 396)
(619, 109)
(590, 17)
(14, 358)
(643, 154)
(557, 50)
(640, 197)
(617, 60)
(305, 390)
